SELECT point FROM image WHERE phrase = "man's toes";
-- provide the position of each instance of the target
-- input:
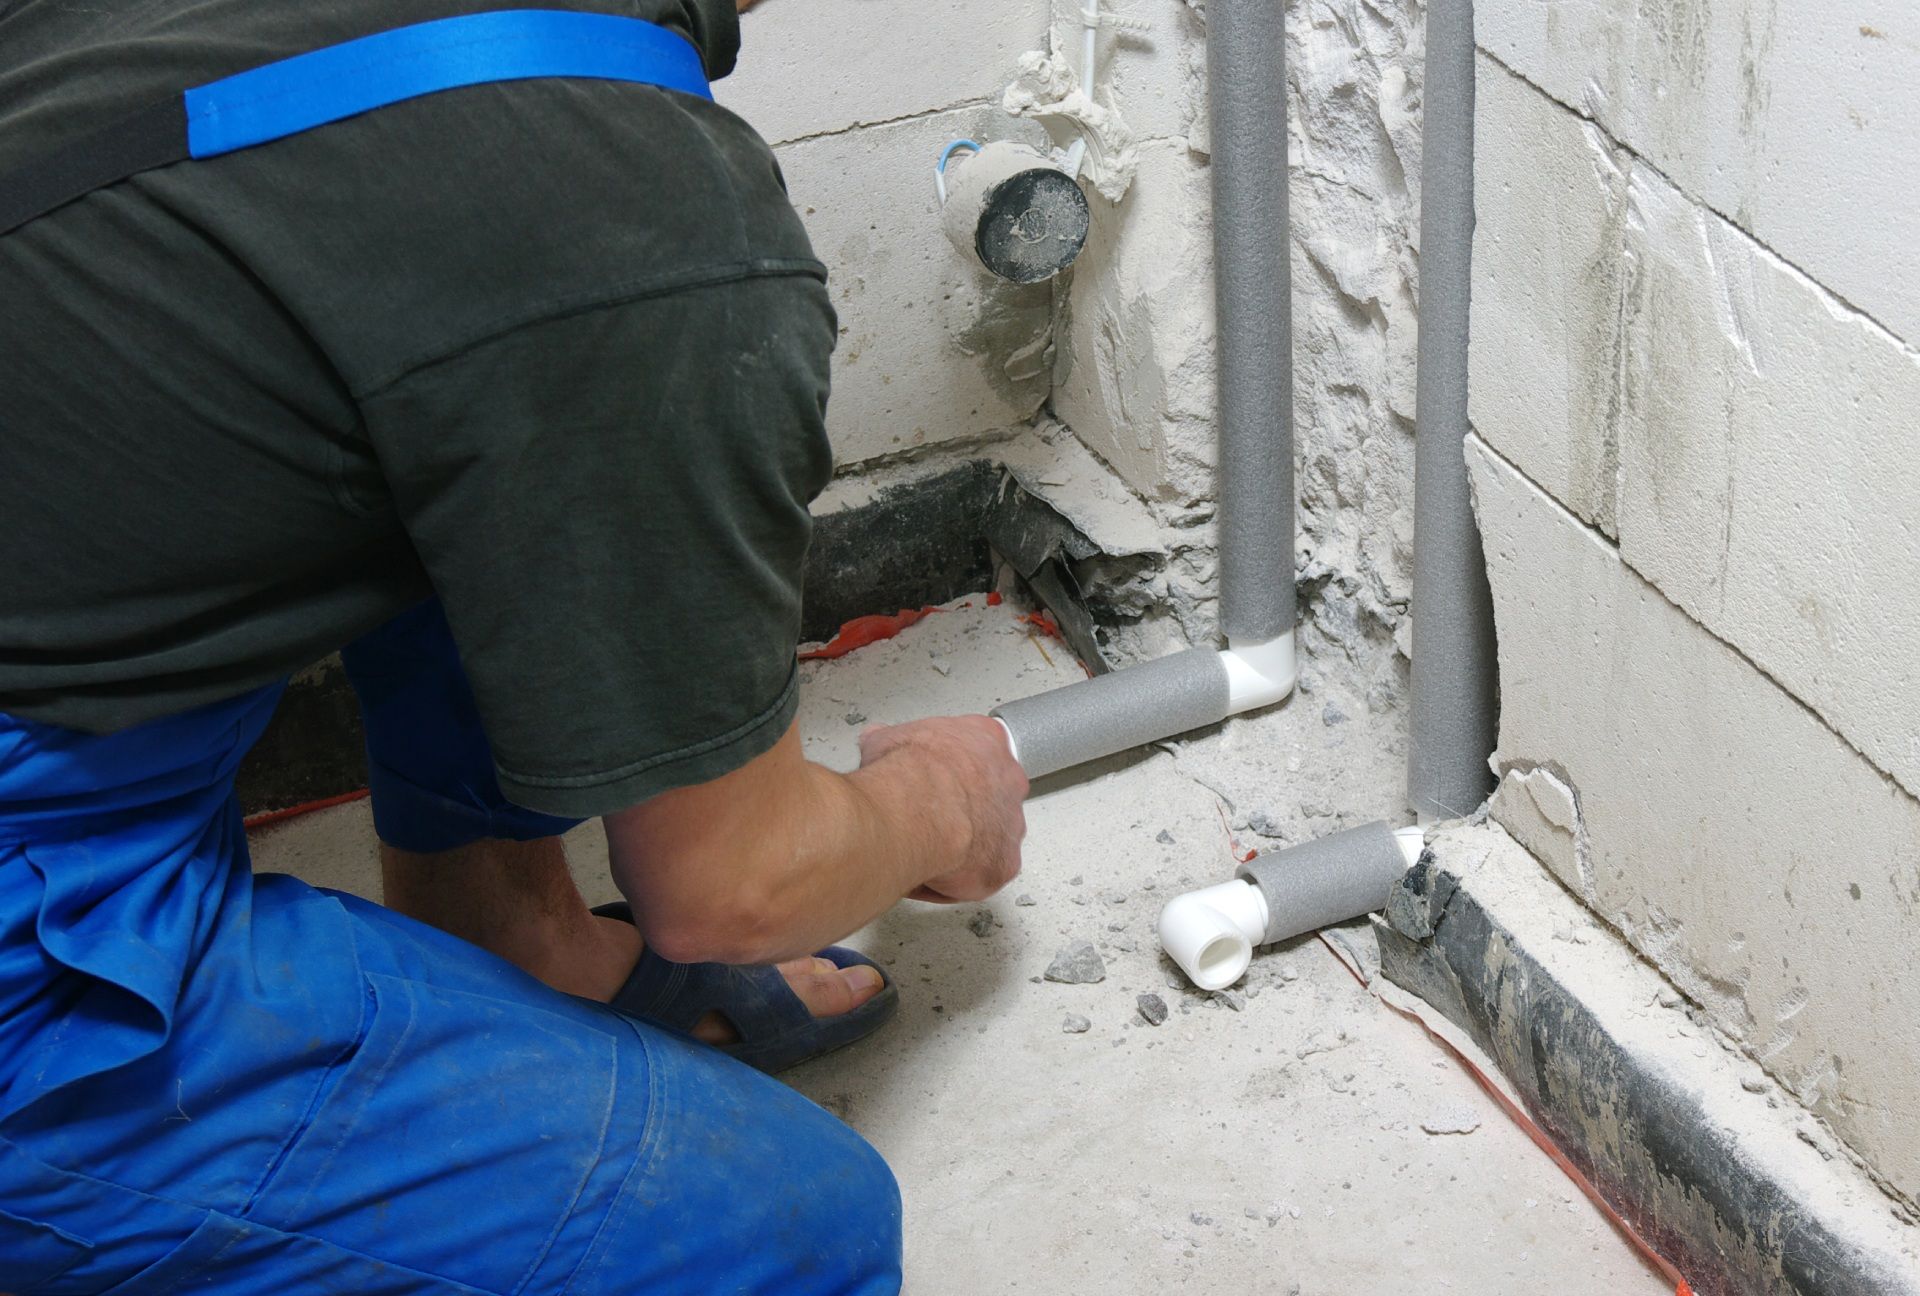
(807, 963)
(828, 991)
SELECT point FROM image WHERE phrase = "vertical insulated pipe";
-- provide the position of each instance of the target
(1253, 309)
(1455, 686)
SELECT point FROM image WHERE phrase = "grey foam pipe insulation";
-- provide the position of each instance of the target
(1116, 712)
(1455, 696)
(1253, 304)
(1320, 883)
(1211, 933)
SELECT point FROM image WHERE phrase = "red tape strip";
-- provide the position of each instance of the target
(266, 817)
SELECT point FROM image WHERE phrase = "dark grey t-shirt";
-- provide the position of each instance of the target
(554, 350)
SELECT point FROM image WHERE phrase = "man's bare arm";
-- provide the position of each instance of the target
(783, 856)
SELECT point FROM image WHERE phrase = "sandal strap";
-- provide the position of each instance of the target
(775, 1028)
(756, 999)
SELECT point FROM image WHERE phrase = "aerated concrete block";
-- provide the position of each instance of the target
(1548, 277)
(932, 347)
(1736, 840)
(1797, 120)
(827, 65)
(1770, 470)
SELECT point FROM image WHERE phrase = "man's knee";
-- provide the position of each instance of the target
(859, 1203)
(430, 766)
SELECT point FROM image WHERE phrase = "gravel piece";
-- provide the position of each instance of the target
(1288, 972)
(1267, 825)
(981, 924)
(1164, 837)
(1230, 999)
(1124, 944)
(1201, 1219)
(856, 717)
(1331, 715)
(1076, 880)
(1153, 1011)
(1025, 901)
(1075, 1024)
(1077, 964)
(1455, 1121)
(1251, 1212)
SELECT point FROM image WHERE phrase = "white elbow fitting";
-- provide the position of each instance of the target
(1211, 933)
(1412, 841)
(1259, 674)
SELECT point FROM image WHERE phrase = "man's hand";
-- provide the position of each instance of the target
(782, 856)
(990, 787)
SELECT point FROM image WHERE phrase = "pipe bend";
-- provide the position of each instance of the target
(1211, 932)
(1260, 673)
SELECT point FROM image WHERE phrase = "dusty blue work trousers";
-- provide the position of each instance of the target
(217, 1082)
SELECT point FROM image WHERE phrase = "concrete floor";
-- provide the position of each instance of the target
(1279, 1148)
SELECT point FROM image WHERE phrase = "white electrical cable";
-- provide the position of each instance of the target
(1076, 152)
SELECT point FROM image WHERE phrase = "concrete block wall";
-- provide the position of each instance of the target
(857, 103)
(1696, 403)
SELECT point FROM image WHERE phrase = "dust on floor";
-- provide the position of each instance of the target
(1299, 1139)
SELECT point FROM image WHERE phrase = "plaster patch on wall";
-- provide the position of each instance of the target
(1047, 89)
(1542, 812)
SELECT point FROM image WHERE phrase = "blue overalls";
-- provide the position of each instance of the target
(217, 1082)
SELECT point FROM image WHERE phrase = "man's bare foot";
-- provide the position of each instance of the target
(825, 989)
(517, 900)
(604, 965)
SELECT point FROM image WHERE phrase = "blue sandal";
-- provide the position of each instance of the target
(776, 1030)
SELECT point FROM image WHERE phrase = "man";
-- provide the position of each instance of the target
(516, 392)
